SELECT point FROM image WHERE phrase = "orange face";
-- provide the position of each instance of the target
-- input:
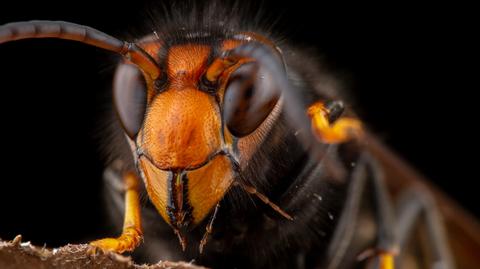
(183, 151)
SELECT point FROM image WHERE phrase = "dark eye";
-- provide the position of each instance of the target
(130, 98)
(249, 99)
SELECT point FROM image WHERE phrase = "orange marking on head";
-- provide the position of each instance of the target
(207, 186)
(181, 129)
(230, 44)
(216, 69)
(156, 183)
(182, 125)
(187, 62)
(151, 47)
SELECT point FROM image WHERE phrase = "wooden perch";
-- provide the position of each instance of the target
(15, 255)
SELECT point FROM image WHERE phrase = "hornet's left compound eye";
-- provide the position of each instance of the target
(130, 98)
(250, 97)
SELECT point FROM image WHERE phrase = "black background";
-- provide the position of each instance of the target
(406, 66)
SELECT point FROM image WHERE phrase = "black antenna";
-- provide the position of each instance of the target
(81, 33)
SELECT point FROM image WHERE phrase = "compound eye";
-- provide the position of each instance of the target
(130, 98)
(250, 97)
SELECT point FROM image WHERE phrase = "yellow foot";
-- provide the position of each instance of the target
(339, 131)
(383, 259)
(128, 241)
(386, 260)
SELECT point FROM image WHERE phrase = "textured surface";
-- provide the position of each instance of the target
(17, 254)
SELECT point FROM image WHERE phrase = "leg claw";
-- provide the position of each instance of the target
(126, 242)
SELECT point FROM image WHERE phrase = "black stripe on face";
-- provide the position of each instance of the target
(178, 208)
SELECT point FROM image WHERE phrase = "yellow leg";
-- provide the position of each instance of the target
(386, 261)
(380, 258)
(342, 130)
(132, 226)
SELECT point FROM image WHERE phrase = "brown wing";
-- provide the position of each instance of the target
(462, 228)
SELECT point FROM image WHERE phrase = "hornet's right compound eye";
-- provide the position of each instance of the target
(130, 98)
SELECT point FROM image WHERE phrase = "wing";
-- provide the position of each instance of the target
(463, 230)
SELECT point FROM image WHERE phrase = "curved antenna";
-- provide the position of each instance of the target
(81, 33)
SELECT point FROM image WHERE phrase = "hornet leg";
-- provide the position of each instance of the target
(132, 230)
(414, 206)
(366, 175)
(330, 128)
(327, 125)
